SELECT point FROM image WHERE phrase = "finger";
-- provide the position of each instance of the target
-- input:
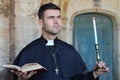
(101, 65)
(16, 72)
(28, 75)
(31, 73)
(106, 69)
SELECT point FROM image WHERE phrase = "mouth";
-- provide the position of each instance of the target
(56, 26)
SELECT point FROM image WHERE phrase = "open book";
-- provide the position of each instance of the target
(26, 68)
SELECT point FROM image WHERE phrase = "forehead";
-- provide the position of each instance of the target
(52, 12)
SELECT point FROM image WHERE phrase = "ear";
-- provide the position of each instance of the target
(40, 21)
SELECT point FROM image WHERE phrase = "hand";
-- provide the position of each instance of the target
(23, 75)
(100, 69)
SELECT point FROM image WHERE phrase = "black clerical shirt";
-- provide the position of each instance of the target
(68, 61)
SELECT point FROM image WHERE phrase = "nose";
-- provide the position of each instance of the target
(56, 19)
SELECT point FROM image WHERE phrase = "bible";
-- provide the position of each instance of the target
(26, 68)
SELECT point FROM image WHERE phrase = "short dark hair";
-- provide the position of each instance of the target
(45, 7)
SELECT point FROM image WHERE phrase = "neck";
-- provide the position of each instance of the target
(49, 37)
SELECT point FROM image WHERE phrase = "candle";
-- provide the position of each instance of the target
(95, 31)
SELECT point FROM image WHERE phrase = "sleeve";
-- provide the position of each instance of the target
(87, 76)
(19, 61)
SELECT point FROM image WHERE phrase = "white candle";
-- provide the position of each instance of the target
(95, 31)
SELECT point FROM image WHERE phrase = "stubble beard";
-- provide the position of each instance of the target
(53, 33)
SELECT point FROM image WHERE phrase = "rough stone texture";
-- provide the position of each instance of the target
(4, 38)
(19, 24)
(26, 32)
(4, 47)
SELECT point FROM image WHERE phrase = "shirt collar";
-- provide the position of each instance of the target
(50, 43)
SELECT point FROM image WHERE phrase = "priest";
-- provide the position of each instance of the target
(60, 59)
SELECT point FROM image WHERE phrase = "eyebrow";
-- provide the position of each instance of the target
(54, 16)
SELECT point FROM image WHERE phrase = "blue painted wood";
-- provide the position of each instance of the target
(83, 40)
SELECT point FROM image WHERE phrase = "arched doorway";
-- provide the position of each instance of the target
(83, 40)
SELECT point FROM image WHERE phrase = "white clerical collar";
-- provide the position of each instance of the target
(50, 43)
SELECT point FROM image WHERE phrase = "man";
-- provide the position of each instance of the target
(61, 60)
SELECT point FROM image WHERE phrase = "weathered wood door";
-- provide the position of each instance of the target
(83, 40)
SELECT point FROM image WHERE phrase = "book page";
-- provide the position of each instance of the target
(31, 66)
(9, 66)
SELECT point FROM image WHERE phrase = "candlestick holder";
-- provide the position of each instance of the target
(97, 52)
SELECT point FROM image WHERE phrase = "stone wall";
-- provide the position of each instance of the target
(19, 25)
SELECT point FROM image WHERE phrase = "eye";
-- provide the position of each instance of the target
(51, 17)
(59, 17)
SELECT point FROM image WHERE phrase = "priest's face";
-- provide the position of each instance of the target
(51, 22)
